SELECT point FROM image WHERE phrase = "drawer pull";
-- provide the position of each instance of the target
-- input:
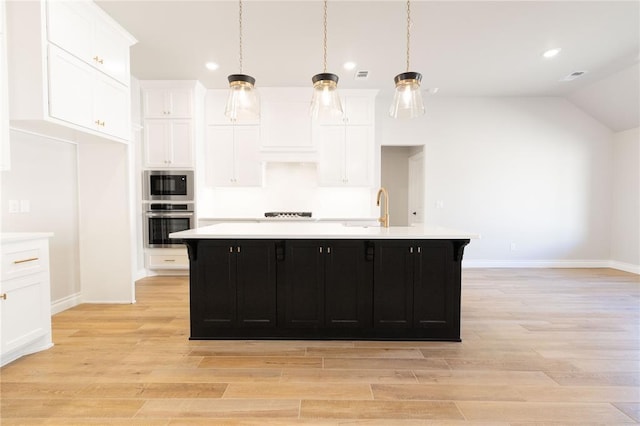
(3, 296)
(169, 260)
(31, 259)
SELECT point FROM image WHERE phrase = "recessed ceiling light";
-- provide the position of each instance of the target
(212, 66)
(551, 52)
(349, 66)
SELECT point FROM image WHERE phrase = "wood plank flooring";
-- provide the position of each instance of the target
(540, 346)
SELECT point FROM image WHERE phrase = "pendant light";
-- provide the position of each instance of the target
(325, 102)
(243, 102)
(407, 100)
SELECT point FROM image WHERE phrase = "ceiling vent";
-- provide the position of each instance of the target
(361, 75)
(574, 75)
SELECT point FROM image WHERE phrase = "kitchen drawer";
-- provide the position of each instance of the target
(158, 261)
(24, 258)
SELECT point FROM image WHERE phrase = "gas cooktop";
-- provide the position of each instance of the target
(288, 215)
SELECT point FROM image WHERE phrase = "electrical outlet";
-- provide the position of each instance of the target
(513, 247)
(14, 206)
(439, 204)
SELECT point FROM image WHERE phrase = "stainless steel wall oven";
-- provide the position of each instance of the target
(161, 219)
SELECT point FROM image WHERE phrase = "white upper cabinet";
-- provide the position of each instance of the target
(168, 143)
(216, 101)
(75, 27)
(167, 103)
(232, 156)
(346, 156)
(358, 108)
(78, 95)
(69, 69)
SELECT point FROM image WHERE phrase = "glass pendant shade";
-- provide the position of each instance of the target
(243, 103)
(407, 100)
(325, 103)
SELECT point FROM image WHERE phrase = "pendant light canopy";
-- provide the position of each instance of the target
(407, 100)
(325, 102)
(243, 102)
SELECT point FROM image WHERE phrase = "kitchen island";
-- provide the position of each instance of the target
(297, 280)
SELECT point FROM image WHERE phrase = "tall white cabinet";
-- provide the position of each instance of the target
(25, 305)
(172, 113)
(68, 69)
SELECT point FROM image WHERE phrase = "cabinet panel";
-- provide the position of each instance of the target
(256, 281)
(331, 164)
(24, 295)
(112, 52)
(213, 298)
(302, 291)
(70, 27)
(433, 288)
(181, 143)
(153, 103)
(393, 285)
(232, 156)
(348, 284)
(358, 155)
(167, 102)
(70, 89)
(110, 113)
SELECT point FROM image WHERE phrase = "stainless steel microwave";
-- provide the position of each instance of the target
(168, 185)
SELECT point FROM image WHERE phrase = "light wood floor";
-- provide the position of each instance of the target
(539, 346)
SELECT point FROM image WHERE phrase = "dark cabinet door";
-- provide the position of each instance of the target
(433, 297)
(347, 284)
(256, 283)
(301, 284)
(213, 285)
(393, 284)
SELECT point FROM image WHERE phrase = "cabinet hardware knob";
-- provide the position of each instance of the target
(3, 296)
(320, 249)
(238, 249)
(230, 249)
(419, 249)
(410, 249)
(31, 259)
(328, 250)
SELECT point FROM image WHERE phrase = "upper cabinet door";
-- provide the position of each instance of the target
(70, 27)
(77, 28)
(110, 114)
(111, 52)
(167, 103)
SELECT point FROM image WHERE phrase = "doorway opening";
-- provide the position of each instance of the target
(402, 173)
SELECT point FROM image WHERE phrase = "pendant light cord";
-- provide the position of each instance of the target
(240, 26)
(408, 31)
(325, 37)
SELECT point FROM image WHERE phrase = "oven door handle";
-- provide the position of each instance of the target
(169, 215)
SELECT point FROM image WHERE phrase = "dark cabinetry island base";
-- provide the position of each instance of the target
(377, 289)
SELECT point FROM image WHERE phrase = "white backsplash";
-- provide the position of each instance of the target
(287, 187)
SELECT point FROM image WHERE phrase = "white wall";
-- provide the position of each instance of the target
(533, 172)
(44, 171)
(395, 177)
(625, 218)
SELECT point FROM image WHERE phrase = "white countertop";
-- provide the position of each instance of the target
(10, 237)
(318, 230)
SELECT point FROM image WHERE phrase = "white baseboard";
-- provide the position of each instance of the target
(626, 267)
(65, 303)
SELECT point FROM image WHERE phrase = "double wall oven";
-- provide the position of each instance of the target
(168, 206)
